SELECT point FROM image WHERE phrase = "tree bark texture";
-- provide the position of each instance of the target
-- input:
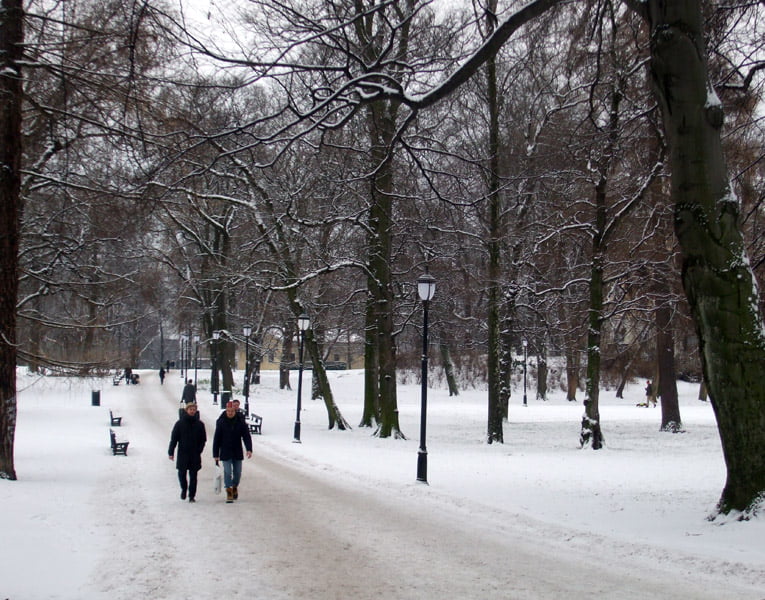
(591, 433)
(716, 273)
(381, 129)
(572, 372)
(495, 408)
(11, 40)
(448, 365)
(287, 352)
(542, 373)
(666, 387)
(371, 414)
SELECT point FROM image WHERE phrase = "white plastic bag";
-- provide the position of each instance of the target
(218, 479)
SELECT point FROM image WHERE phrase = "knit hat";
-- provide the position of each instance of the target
(194, 404)
(229, 404)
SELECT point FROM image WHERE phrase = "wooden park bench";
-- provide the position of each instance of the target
(118, 447)
(115, 420)
(254, 423)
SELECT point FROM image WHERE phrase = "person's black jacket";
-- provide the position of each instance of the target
(190, 436)
(229, 435)
(189, 393)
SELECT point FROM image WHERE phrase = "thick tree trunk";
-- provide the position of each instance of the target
(381, 128)
(382, 293)
(506, 366)
(666, 387)
(11, 40)
(497, 401)
(446, 361)
(494, 409)
(287, 352)
(591, 433)
(717, 276)
(371, 413)
(227, 350)
(542, 374)
(572, 373)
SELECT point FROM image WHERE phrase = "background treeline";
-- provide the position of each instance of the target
(174, 184)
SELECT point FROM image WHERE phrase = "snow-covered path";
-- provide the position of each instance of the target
(302, 528)
(293, 534)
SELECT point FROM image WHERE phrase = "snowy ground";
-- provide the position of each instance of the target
(341, 515)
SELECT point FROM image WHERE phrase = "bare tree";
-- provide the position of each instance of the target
(11, 40)
(717, 278)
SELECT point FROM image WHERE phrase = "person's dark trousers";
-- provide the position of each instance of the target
(191, 487)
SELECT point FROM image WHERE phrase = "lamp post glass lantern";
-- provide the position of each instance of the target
(426, 288)
(214, 374)
(247, 331)
(304, 323)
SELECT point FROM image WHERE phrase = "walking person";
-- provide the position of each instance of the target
(162, 375)
(190, 436)
(230, 432)
(649, 397)
(189, 392)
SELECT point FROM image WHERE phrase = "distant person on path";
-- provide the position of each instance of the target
(649, 397)
(128, 375)
(230, 432)
(189, 392)
(167, 366)
(162, 376)
(190, 437)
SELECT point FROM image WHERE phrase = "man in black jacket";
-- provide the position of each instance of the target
(230, 431)
(190, 437)
(189, 392)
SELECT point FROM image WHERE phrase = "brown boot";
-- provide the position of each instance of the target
(229, 495)
(236, 493)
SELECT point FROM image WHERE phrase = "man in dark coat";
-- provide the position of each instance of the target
(190, 437)
(230, 431)
(189, 392)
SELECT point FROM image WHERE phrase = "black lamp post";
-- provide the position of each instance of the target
(426, 288)
(247, 331)
(303, 323)
(525, 345)
(183, 349)
(188, 355)
(196, 358)
(214, 379)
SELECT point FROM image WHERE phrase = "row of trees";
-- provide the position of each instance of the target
(324, 161)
